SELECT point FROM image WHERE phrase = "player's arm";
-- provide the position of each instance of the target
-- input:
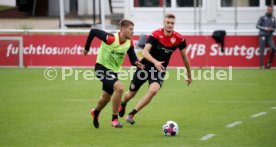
(158, 64)
(133, 58)
(102, 35)
(182, 47)
(260, 24)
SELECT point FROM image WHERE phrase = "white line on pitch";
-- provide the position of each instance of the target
(273, 107)
(258, 114)
(207, 137)
(76, 100)
(233, 124)
(244, 101)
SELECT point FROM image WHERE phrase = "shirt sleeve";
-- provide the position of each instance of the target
(151, 40)
(260, 24)
(132, 56)
(182, 45)
(102, 35)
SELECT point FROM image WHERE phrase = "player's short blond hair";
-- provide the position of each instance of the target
(125, 23)
(170, 15)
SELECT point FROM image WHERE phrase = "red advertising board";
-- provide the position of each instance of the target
(66, 50)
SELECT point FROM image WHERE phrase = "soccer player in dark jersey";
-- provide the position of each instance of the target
(157, 53)
(109, 60)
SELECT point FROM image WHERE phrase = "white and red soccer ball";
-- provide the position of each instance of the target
(170, 128)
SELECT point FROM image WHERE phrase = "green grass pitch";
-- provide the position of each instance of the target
(38, 112)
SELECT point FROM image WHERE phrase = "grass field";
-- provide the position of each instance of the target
(38, 112)
(3, 7)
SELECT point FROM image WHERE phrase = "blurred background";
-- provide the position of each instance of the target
(196, 15)
(51, 22)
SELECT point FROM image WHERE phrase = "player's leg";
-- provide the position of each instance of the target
(104, 99)
(116, 101)
(271, 44)
(145, 100)
(118, 92)
(139, 78)
(152, 91)
(155, 83)
(128, 96)
(109, 80)
(262, 40)
(114, 87)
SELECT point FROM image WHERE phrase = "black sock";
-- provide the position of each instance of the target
(123, 104)
(96, 113)
(114, 117)
(133, 112)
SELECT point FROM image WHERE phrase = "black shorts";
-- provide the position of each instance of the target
(142, 75)
(107, 76)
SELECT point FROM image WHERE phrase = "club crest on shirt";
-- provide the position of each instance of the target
(173, 40)
(132, 86)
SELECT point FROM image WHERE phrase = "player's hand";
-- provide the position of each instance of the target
(189, 81)
(269, 29)
(140, 65)
(85, 52)
(159, 65)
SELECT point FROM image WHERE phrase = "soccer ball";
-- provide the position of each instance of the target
(170, 128)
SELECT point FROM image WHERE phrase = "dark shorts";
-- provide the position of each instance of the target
(141, 76)
(107, 76)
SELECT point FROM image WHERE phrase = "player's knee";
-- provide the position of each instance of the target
(119, 88)
(154, 88)
(153, 91)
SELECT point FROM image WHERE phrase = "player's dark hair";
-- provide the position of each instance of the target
(169, 15)
(125, 23)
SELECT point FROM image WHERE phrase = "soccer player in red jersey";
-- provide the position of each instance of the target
(157, 53)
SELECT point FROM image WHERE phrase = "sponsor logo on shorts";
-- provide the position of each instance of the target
(132, 86)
